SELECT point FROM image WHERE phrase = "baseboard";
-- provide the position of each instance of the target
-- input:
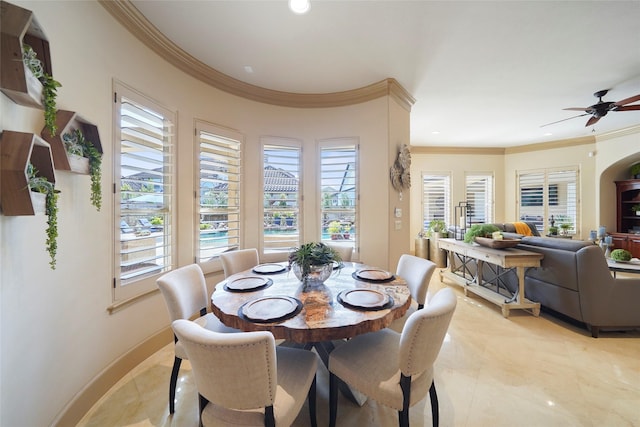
(96, 388)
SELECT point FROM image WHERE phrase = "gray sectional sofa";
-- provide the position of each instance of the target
(574, 280)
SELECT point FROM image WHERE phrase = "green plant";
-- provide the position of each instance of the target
(635, 170)
(620, 255)
(40, 184)
(334, 227)
(75, 143)
(49, 86)
(312, 254)
(437, 225)
(553, 231)
(479, 230)
(205, 226)
(635, 208)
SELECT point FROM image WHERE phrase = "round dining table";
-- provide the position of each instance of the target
(354, 300)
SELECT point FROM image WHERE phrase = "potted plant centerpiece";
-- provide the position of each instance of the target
(313, 262)
(636, 209)
(50, 87)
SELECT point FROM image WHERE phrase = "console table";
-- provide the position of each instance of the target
(510, 258)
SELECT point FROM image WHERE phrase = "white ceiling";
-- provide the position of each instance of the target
(484, 73)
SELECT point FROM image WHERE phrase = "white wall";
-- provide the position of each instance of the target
(56, 334)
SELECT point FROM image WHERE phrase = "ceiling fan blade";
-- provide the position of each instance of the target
(592, 121)
(576, 109)
(628, 108)
(564, 120)
(628, 100)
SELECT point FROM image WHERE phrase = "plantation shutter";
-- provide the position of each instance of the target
(436, 204)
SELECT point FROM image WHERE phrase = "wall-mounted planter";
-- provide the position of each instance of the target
(17, 150)
(18, 27)
(68, 122)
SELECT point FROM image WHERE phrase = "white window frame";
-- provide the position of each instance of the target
(272, 252)
(426, 215)
(224, 146)
(127, 289)
(352, 238)
(570, 207)
(487, 192)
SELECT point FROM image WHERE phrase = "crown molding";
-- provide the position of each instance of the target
(136, 23)
(619, 133)
(562, 143)
(457, 150)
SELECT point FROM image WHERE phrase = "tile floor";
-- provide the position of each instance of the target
(491, 371)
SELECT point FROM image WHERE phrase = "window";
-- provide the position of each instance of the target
(218, 198)
(436, 190)
(281, 190)
(479, 197)
(144, 191)
(549, 193)
(339, 191)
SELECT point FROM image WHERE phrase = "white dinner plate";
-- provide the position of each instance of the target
(364, 298)
(374, 274)
(269, 268)
(270, 308)
(246, 283)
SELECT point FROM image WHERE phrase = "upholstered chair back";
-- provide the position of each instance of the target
(185, 291)
(231, 370)
(424, 333)
(236, 261)
(417, 272)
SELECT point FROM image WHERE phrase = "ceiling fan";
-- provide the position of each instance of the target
(601, 108)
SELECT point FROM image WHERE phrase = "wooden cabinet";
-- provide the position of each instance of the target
(18, 27)
(627, 222)
(17, 150)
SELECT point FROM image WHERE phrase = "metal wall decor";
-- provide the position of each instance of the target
(399, 173)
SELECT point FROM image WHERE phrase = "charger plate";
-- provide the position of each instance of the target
(365, 299)
(269, 268)
(247, 284)
(270, 309)
(373, 275)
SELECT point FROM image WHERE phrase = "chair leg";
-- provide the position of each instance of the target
(435, 411)
(202, 402)
(405, 386)
(333, 399)
(269, 417)
(312, 403)
(172, 384)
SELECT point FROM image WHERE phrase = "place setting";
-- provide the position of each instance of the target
(247, 283)
(270, 309)
(374, 275)
(269, 268)
(365, 299)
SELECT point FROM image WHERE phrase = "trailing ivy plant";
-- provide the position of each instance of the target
(76, 143)
(49, 85)
(40, 184)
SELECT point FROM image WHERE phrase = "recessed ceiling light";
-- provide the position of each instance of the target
(435, 132)
(548, 134)
(299, 6)
(248, 69)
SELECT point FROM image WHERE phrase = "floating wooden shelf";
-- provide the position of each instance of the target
(67, 122)
(18, 27)
(17, 150)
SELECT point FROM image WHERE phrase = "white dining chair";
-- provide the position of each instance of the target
(185, 293)
(239, 260)
(244, 379)
(396, 370)
(417, 272)
(344, 250)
